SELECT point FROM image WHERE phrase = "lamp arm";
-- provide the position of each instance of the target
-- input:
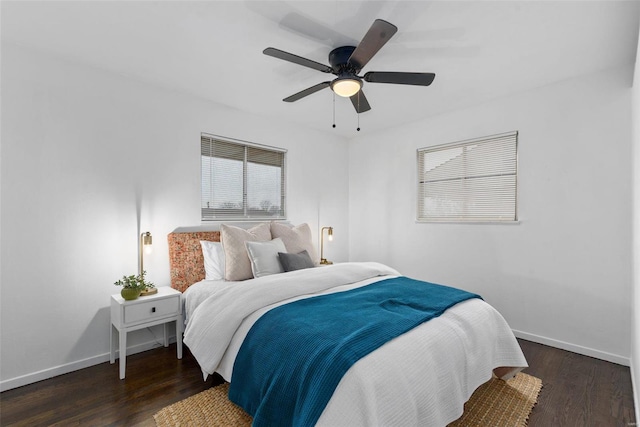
(140, 255)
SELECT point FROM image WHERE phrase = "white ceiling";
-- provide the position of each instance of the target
(479, 50)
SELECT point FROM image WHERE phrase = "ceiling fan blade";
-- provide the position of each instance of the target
(377, 36)
(360, 102)
(418, 79)
(306, 92)
(281, 54)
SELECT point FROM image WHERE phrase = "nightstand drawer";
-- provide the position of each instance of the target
(151, 310)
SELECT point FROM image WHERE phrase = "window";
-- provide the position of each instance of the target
(469, 181)
(241, 180)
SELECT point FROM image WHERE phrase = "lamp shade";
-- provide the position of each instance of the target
(346, 86)
(147, 239)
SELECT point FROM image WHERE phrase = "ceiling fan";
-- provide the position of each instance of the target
(347, 61)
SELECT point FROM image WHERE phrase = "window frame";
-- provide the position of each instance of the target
(465, 217)
(246, 213)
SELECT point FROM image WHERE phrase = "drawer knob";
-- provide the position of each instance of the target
(153, 309)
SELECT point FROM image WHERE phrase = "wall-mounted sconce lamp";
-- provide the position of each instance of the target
(323, 260)
(145, 247)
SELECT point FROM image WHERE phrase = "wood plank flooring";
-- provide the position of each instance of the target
(577, 391)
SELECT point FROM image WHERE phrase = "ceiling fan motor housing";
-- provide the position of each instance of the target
(339, 60)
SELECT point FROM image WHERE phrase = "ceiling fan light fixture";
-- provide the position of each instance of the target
(346, 86)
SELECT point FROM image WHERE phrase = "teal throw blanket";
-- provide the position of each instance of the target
(295, 355)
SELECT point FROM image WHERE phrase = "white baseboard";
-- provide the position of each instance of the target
(586, 351)
(74, 366)
(635, 386)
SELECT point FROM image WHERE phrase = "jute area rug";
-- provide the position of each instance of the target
(496, 403)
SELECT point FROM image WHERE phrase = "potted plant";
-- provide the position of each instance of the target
(133, 285)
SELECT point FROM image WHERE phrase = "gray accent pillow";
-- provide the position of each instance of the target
(291, 262)
(296, 239)
(264, 257)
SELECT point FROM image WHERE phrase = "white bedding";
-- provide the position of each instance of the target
(423, 377)
(198, 292)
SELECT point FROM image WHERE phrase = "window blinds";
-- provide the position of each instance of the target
(469, 181)
(241, 180)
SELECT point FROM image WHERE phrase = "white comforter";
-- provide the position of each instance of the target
(423, 377)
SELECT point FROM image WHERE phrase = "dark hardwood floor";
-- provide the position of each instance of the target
(577, 391)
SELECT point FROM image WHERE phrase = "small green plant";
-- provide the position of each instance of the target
(135, 282)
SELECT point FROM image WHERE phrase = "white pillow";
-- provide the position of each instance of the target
(213, 260)
(296, 239)
(236, 260)
(264, 257)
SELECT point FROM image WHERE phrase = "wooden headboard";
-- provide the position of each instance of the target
(186, 262)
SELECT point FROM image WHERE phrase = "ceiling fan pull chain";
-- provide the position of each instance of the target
(334, 110)
(358, 129)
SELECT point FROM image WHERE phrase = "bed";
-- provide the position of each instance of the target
(421, 377)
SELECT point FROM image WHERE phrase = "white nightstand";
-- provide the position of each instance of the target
(150, 310)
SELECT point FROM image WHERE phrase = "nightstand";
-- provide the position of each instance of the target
(151, 310)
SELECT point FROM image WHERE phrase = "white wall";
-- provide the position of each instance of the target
(89, 160)
(635, 327)
(562, 276)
